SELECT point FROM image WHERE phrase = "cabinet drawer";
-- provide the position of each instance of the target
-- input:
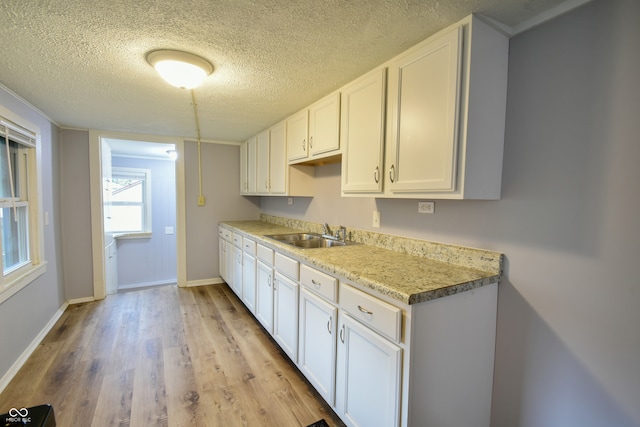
(319, 282)
(237, 240)
(287, 266)
(375, 313)
(224, 233)
(265, 254)
(249, 246)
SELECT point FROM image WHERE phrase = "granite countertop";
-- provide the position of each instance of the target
(407, 277)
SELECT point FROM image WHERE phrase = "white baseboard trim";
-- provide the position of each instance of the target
(80, 300)
(13, 370)
(204, 282)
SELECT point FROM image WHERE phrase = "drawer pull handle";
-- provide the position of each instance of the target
(316, 284)
(329, 325)
(342, 334)
(365, 311)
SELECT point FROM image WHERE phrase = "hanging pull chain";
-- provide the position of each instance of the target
(195, 113)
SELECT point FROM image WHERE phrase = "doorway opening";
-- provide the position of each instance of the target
(137, 214)
(139, 186)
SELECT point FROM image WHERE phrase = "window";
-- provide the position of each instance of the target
(130, 201)
(19, 225)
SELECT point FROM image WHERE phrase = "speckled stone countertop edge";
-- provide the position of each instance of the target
(464, 256)
(336, 261)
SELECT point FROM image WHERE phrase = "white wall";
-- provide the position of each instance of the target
(568, 343)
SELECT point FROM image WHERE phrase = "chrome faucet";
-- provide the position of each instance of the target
(341, 233)
(326, 231)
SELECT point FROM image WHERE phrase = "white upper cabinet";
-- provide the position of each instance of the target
(297, 134)
(324, 126)
(445, 120)
(248, 166)
(423, 117)
(262, 162)
(314, 133)
(278, 160)
(362, 132)
(266, 159)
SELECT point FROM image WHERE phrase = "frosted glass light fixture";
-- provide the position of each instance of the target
(181, 69)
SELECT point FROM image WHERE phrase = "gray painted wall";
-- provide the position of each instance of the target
(76, 219)
(568, 342)
(221, 189)
(25, 314)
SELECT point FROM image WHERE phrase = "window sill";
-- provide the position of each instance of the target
(125, 236)
(15, 283)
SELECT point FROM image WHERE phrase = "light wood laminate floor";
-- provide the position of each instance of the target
(165, 356)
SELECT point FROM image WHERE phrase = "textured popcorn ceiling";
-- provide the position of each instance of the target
(82, 62)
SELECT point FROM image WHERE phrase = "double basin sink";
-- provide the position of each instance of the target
(308, 240)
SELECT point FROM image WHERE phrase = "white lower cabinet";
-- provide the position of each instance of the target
(317, 343)
(264, 295)
(285, 315)
(249, 282)
(368, 376)
(236, 284)
(375, 360)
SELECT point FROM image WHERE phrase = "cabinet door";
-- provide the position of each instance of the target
(317, 343)
(368, 376)
(249, 282)
(423, 123)
(324, 125)
(285, 315)
(222, 258)
(278, 159)
(251, 165)
(244, 163)
(237, 271)
(264, 295)
(297, 128)
(262, 161)
(362, 133)
(230, 268)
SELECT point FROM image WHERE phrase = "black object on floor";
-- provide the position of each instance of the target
(321, 423)
(37, 416)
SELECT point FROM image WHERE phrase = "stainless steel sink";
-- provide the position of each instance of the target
(294, 236)
(307, 240)
(318, 243)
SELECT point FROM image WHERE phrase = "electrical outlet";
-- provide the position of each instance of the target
(376, 219)
(426, 207)
(200, 200)
(290, 201)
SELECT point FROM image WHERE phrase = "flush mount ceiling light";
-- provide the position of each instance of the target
(180, 69)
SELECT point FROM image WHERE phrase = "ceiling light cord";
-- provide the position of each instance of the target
(195, 113)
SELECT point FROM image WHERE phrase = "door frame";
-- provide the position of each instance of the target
(97, 220)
